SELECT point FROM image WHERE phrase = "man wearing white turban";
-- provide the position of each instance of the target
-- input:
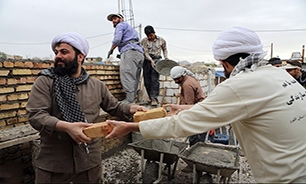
(63, 99)
(264, 105)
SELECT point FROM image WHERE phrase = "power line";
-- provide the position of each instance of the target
(212, 30)
(47, 43)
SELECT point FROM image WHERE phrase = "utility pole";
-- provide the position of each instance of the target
(271, 50)
(126, 9)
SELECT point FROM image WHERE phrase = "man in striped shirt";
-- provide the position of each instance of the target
(153, 45)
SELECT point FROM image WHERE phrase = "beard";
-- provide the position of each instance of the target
(70, 67)
(116, 23)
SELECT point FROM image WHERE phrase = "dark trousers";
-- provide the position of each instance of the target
(93, 175)
(151, 79)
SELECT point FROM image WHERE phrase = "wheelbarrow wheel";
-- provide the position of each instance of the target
(206, 178)
(150, 173)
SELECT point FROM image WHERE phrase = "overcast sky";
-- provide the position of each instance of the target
(189, 26)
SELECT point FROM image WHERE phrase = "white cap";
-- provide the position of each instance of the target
(177, 72)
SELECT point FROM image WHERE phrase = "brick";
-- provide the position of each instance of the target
(18, 64)
(9, 106)
(3, 98)
(35, 72)
(21, 112)
(22, 80)
(12, 121)
(9, 114)
(1, 65)
(6, 127)
(6, 90)
(21, 72)
(28, 64)
(8, 64)
(31, 80)
(11, 81)
(2, 123)
(92, 72)
(24, 88)
(2, 81)
(23, 96)
(23, 119)
(23, 104)
(12, 97)
(4, 72)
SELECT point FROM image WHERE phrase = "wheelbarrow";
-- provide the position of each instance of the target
(219, 159)
(158, 152)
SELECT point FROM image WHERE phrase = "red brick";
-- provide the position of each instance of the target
(2, 81)
(8, 64)
(11, 81)
(6, 90)
(12, 121)
(2, 123)
(18, 64)
(8, 114)
(23, 119)
(22, 80)
(4, 72)
(9, 106)
(23, 104)
(3, 98)
(28, 64)
(21, 72)
(12, 97)
(31, 80)
(24, 88)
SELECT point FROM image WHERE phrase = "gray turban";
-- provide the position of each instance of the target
(236, 40)
(73, 39)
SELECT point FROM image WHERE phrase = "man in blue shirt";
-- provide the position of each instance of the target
(131, 55)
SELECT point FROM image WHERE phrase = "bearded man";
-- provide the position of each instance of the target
(63, 101)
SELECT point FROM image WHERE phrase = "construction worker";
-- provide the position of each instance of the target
(131, 55)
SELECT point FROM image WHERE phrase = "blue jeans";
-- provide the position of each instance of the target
(151, 79)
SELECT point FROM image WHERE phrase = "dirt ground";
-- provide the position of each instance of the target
(124, 167)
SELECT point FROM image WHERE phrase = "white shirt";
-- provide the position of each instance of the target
(267, 111)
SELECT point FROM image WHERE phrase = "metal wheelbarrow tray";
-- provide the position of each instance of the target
(222, 160)
(159, 150)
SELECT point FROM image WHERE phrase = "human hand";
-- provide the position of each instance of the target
(174, 109)
(152, 63)
(110, 52)
(135, 108)
(121, 128)
(75, 130)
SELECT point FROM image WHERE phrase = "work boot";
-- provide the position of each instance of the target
(154, 102)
